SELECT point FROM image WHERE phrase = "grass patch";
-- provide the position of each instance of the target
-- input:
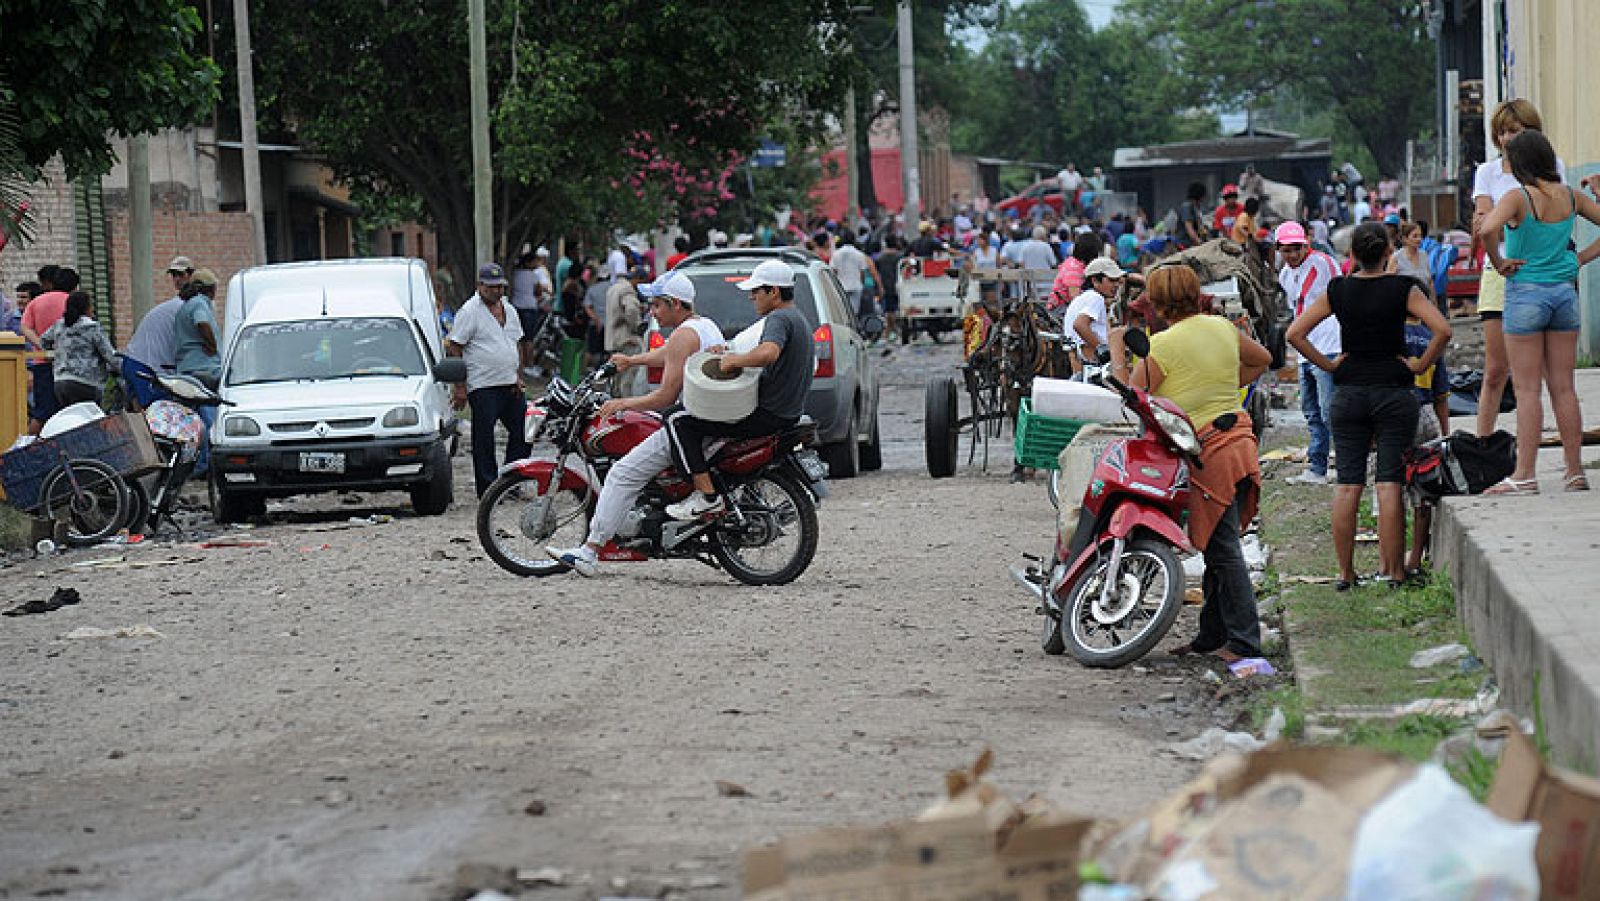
(16, 529)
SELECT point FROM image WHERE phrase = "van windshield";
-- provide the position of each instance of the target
(323, 349)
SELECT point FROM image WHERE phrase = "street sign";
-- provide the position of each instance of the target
(770, 155)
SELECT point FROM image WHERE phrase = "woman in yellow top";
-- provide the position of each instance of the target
(1199, 363)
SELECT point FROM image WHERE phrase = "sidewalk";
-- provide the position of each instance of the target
(1526, 572)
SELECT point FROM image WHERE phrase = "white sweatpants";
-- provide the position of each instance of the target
(625, 481)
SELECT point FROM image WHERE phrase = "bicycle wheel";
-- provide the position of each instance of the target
(90, 497)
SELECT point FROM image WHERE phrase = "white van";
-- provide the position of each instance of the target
(334, 379)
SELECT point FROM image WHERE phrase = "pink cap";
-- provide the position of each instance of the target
(1230, 189)
(1291, 233)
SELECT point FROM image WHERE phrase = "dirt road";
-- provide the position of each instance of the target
(357, 711)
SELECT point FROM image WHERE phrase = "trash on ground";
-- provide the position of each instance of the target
(99, 562)
(236, 542)
(1445, 653)
(1194, 597)
(1278, 823)
(975, 843)
(541, 876)
(1251, 666)
(1487, 699)
(1287, 454)
(731, 789)
(1215, 741)
(62, 597)
(1308, 580)
(139, 631)
(1366, 536)
(1565, 804)
(1430, 839)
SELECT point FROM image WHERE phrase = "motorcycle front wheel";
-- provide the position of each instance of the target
(520, 515)
(1143, 606)
(778, 538)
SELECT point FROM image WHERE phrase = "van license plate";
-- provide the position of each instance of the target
(321, 462)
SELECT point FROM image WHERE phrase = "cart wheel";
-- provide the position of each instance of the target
(90, 497)
(940, 429)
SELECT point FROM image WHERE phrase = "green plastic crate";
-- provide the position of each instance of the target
(1039, 439)
(572, 353)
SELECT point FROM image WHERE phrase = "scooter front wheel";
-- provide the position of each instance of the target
(520, 515)
(1142, 606)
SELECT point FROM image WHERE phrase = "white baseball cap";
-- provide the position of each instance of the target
(769, 274)
(1104, 267)
(670, 284)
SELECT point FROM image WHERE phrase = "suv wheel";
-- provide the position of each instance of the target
(844, 457)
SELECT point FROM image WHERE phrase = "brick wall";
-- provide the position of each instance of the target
(216, 241)
(54, 234)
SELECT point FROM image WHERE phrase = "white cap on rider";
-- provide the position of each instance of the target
(670, 284)
(769, 274)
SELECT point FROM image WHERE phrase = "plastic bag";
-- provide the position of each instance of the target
(1430, 840)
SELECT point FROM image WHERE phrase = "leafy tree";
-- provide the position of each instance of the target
(82, 70)
(1371, 60)
(14, 217)
(621, 114)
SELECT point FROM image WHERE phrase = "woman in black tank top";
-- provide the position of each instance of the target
(1373, 402)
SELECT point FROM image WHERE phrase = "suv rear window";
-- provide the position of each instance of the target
(718, 298)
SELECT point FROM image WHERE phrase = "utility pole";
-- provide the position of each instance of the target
(141, 253)
(482, 175)
(910, 163)
(247, 131)
(852, 205)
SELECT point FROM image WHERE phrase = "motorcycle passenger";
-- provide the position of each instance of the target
(785, 353)
(671, 300)
(1199, 363)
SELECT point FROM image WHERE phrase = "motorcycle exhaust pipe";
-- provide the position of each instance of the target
(1029, 578)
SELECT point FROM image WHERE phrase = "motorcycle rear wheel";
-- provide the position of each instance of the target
(1150, 568)
(519, 515)
(780, 538)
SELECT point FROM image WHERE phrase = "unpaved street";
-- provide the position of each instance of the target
(359, 720)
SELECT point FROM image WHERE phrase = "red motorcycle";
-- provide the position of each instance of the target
(1114, 584)
(772, 485)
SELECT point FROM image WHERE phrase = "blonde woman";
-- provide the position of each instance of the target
(1493, 181)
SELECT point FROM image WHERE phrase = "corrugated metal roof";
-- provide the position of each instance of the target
(1240, 149)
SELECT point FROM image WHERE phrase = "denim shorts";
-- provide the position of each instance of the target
(1368, 415)
(1532, 308)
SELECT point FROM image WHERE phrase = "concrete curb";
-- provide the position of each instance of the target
(1526, 576)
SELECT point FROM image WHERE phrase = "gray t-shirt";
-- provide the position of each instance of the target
(786, 380)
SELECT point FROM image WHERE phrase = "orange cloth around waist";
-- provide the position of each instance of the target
(1227, 458)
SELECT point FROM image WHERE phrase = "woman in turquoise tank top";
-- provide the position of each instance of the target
(1541, 315)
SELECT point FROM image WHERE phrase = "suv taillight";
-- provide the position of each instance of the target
(822, 343)
(654, 372)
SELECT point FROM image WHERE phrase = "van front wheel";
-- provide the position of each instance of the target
(433, 497)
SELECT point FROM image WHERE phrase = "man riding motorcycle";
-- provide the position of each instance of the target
(671, 299)
(785, 352)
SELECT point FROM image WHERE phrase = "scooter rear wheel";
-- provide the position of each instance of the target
(1146, 602)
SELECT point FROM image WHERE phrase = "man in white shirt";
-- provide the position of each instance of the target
(1087, 320)
(1036, 253)
(852, 265)
(486, 335)
(617, 263)
(1305, 277)
(154, 345)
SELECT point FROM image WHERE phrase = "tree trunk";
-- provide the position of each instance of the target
(861, 154)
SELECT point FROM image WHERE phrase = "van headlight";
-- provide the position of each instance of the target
(240, 427)
(401, 417)
(1178, 429)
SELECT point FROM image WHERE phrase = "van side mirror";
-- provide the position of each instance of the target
(451, 370)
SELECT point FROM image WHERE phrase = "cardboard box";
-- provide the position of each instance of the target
(977, 846)
(1278, 823)
(1566, 805)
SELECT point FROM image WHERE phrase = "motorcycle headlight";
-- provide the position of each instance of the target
(1178, 429)
(400, 417)
(240, 427)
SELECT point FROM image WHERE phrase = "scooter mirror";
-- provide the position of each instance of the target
(1137, 341)
(185, 387)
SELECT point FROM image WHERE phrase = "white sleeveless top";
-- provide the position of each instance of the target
(710, 333)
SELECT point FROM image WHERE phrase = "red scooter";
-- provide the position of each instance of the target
(772, 483)
(1114, 584)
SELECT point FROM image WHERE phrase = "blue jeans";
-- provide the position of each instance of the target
(1316, 402)
(1533, 307)
(506, 405)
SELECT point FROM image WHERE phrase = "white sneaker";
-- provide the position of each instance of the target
(1307, 477)
(581, 558)
(696, 506)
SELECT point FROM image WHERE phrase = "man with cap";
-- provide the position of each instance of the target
(624, 315)
(671, 300)
(195, 351)
(927, 243)
(1304, 277)
(154, 345)
(1227, 212)
(785, 355)
(1087, 319)
(485, 334)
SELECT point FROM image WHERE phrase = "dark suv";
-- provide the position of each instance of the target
(844, 388)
